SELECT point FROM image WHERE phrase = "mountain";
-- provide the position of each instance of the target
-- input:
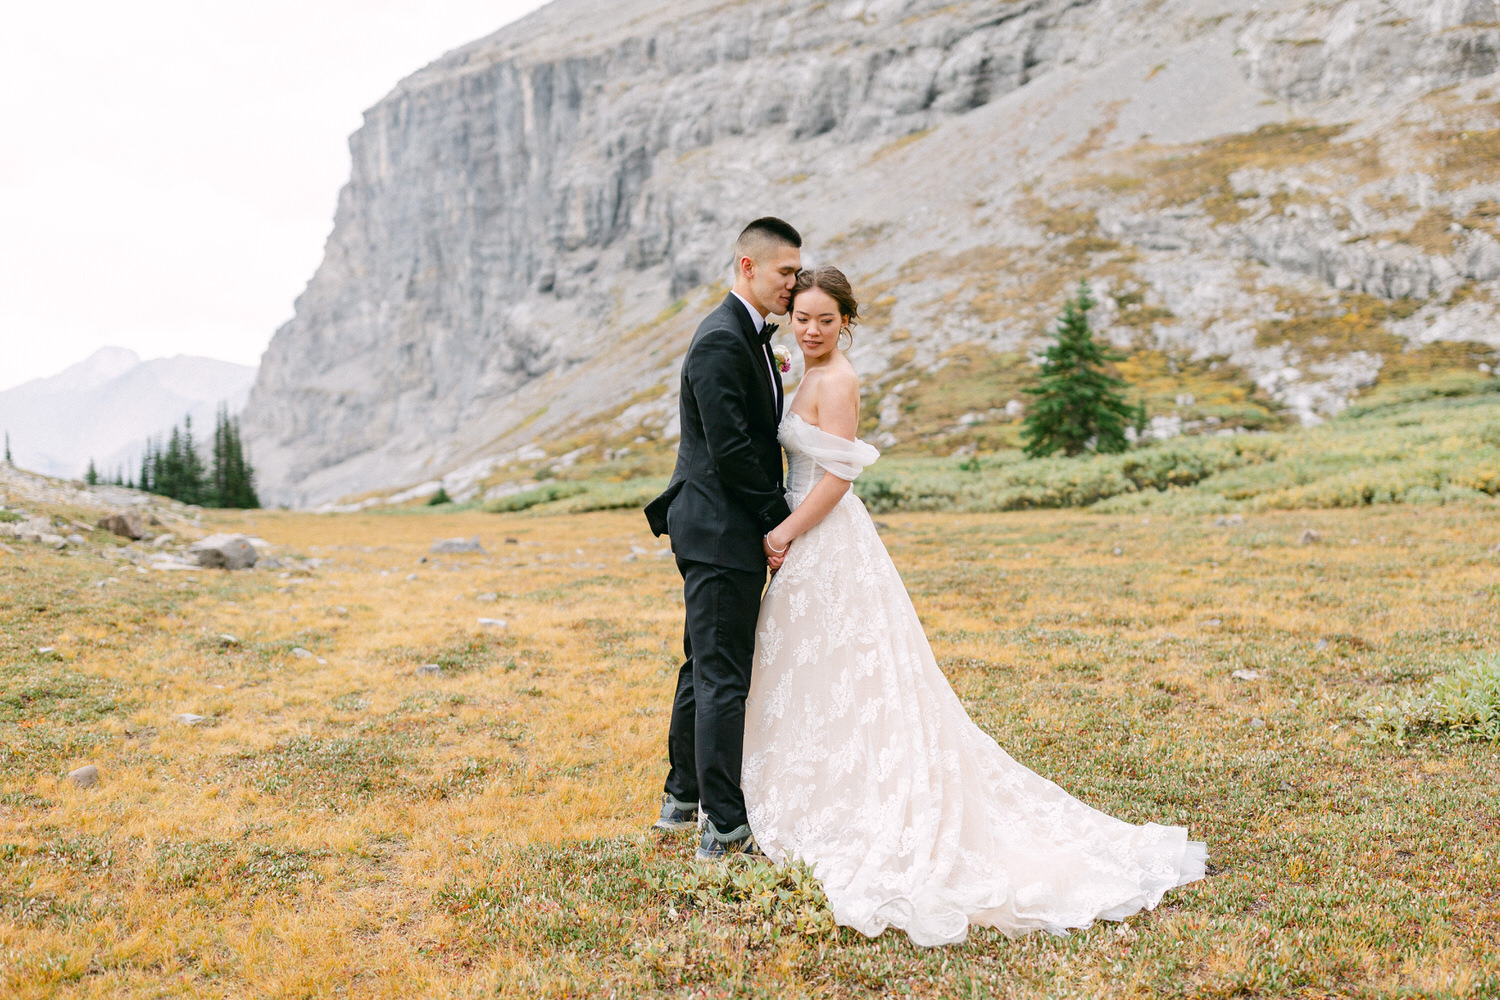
(1291, 201)
(104, 408)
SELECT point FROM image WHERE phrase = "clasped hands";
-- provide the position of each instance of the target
(775, 555)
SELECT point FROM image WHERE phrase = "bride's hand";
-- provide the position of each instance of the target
(775, 554)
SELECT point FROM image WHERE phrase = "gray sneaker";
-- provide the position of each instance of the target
(676, 816)
(739, 841)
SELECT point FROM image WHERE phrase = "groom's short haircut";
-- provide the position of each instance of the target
(764, 235)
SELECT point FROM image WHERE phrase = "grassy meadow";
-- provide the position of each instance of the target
(344, 824)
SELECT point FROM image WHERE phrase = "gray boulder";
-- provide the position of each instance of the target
(32, 529)
(125, 523)
(455, 546)
(224, 552)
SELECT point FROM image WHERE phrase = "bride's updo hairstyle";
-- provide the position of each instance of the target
(831, 281)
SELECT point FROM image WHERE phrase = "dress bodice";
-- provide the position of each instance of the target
(801, 471)
(810, 452)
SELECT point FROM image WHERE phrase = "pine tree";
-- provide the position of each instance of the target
(8, 460)
(194, 483)
(91, 477)
(148, 462)
(177, 469)
(244, 481)
(231, 482)
(1078, 404)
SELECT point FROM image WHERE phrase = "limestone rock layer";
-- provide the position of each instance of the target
(534, 223)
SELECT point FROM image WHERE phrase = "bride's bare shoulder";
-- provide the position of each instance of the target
(842, 378)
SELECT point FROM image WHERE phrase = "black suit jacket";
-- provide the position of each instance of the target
(726, 491)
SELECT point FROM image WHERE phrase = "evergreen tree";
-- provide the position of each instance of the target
(1078, 404)
(91, 477)
(193, 487)
(167, 474)
(177, 470)
(8, 460)
(231, 481)
(148, 462)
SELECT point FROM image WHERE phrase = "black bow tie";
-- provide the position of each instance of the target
(767, 332)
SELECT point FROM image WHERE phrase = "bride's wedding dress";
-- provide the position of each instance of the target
(861, 761)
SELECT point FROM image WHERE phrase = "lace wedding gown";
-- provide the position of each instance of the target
(861, 761)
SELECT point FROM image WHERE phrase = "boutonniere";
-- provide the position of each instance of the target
(783, 358)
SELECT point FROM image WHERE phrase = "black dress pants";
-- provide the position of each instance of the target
(705, 743)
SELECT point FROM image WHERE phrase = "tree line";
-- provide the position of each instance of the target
(174, 468)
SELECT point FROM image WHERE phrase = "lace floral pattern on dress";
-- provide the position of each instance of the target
(861, 761)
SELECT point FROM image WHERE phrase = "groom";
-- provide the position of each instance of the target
(725, 494)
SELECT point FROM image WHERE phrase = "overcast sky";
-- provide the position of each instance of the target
(169, 168)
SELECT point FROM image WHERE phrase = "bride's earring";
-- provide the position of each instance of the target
(844, 331)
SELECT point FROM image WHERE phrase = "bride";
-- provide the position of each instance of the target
(859, 759)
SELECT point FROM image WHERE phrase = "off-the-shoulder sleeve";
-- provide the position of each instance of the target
(844, 458)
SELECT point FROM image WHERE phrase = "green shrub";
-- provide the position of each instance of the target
(1435, 452)
(1464, 702)
(634, 493)
(530, 498)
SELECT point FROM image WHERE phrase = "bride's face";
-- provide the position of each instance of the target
(816, 323)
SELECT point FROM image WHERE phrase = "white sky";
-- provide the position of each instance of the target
(169, 168)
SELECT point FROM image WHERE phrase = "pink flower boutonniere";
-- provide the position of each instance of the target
(783, 358)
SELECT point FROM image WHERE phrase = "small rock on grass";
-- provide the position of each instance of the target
(126, 524)
(453, 546)
(301, 653)
(429, 670)
(86, 776)
(1246, 675)
(189, 718)
(224, 552)
(488, 597)
(1310, 537)
(411, 576)
(225, 639)
(493, 622)
(1257, 723)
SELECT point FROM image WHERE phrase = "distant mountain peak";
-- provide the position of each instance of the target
(98, 368)
(104, 408)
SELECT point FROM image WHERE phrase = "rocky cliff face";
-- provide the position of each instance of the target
(534, 223)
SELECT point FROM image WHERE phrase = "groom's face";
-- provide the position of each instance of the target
(772, 280)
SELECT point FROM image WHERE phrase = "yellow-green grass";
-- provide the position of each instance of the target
(354, 828)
